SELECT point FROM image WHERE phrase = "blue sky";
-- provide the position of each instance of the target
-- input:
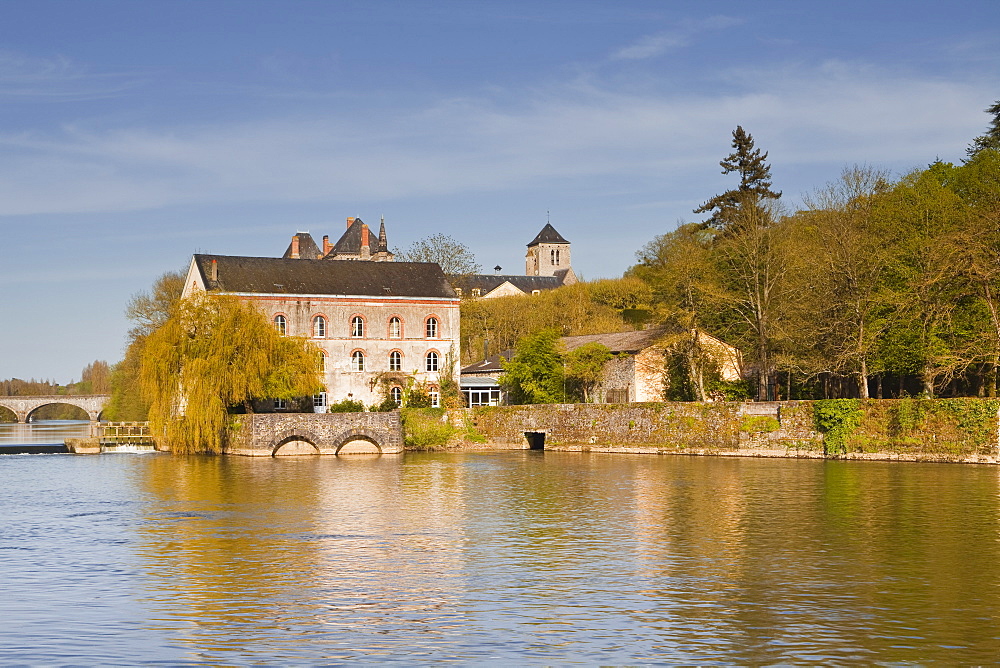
(133, 134)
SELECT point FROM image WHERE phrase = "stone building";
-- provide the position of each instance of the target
(547, 267)
(638, 371)
(375, 324)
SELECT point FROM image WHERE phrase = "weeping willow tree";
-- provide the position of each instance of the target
(215, 352)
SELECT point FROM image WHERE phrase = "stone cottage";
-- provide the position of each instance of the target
(639, 372)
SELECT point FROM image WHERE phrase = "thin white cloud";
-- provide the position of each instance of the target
(835, 113)
(28, 78)
(650, 46)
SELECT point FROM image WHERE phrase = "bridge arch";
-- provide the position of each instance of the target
(24, 406)
(87, 415)
(344, 442)
(288, 443)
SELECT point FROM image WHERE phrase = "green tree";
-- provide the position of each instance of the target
(927, 292)
(147, 311)
(844, 284)
(454, 258)
(535, 374)
(754, 188)
(678, 267)
(215, 352)
(585, 368)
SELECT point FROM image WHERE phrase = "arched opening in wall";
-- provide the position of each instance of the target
(7, 415)
(296, 447)
(359, 446)
(58, 411)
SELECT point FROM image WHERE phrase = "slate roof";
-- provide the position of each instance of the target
(619, 342)
(350, 242)
(324, 277)
(548, 235)
(307, 247)
(490, 365)
(487, 283)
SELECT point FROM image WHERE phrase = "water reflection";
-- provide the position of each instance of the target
(42, 431)
(518, 557)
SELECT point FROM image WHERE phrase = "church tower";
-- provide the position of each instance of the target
(548, 254)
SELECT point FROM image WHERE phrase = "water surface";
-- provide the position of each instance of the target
(526, 557)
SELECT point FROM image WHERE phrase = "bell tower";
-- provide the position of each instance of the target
(548, 253)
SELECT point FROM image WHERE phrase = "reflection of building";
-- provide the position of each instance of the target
(375, 324)
(547, 267)
(638, 372)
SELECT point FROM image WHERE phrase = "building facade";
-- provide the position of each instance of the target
(379, 327)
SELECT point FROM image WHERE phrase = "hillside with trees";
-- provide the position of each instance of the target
(877, 287)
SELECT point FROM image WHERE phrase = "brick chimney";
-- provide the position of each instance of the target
(364, 235)
(350, 221)
(295, 247)
(327, 246)
(214, 274)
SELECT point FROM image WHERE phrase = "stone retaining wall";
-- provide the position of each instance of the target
(762, 429)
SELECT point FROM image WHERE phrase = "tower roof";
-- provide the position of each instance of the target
(548, 235)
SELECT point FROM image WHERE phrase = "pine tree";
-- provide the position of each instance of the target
(990, 140)
(755, 182)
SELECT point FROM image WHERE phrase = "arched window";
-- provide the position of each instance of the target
(357, 327)
(319, 327)
(395, 361)
(432, 328)
(396, 394)
(322, 361)
(395, 328)
(431, 361)
(552, 256)
(281, 324)
(557, 257)
(357, 361)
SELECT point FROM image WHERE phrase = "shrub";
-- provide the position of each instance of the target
(760, 424)
(347, 406)
(425, 428)
(836, 419)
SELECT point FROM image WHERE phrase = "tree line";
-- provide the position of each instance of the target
(877, 287)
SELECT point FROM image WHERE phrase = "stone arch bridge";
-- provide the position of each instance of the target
(23, 407)
(276, 434)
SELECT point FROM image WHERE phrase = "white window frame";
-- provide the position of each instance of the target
(319, 327)
(281, 324)
(431, 327)
(357, 327)
(396, 394)
(358, 360)
(432, 359)
(395, 328)
(395, 361)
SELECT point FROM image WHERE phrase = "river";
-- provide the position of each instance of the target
(512, 557)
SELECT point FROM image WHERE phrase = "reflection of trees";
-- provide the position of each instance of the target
(264, 550)
(786, 559)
